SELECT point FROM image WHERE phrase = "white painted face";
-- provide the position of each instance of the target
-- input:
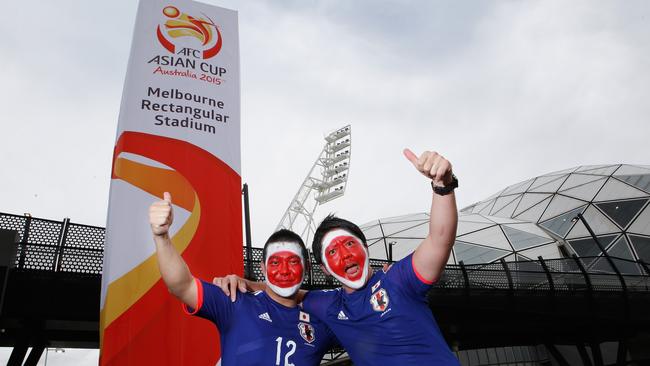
(345, 257)
(285, 268)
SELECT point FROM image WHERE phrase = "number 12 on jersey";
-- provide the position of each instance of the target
(290, 347)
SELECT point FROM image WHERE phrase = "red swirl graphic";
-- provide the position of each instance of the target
(154, 331)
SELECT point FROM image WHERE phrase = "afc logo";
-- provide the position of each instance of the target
(178, 25)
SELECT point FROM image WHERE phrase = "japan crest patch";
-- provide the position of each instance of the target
(379, 300)
(307, 332)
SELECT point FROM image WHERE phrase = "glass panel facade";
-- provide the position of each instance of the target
(372, 232)
(559, 205)
(620, 249)
(561, 224)
(525, 219)
(586, 191)
(403, 247)
(632, 170)
(534, 213)
(616, 190)
(551, 186)
(492, 237)
(598, 222)
(641, 224)
(529, 200)
(563, 171)
(588, 248)
(501, 202)
(476, 218)
(641, 181)
(472, 254)
(419, 231)
(503, 220)
(481, 206)
(548, 251)
(393, 228)
(622, 212)
(641, 245)
(465, 227)
(509, 208)
(518, 188)
(531, 228)
(600, 170)
(486, 210)
(522, 239)
(576, 180)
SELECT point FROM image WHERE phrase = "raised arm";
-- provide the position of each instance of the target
(174, 270)
(431, 255)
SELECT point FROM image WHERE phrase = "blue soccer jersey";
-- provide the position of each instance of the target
(387, 322)
(256, 330)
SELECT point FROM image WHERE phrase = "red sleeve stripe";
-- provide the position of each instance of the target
(199, 301)
(418, 275)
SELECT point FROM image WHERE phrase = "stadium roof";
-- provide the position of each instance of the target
(536, 217)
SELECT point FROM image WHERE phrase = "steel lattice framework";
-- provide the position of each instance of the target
(326, 181)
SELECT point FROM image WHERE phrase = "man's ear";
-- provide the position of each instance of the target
(263, 268)
(322, 268)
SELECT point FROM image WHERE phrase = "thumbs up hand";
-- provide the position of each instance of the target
(432, 165)
(161, 215)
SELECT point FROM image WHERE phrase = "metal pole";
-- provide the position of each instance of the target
(465, 275)
(549, 277)
(583, 271)
(58, 258)
(605, 254)
(249, 244)
(508, 274)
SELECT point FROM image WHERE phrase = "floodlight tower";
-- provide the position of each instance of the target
(325, 182)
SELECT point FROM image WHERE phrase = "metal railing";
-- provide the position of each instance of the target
(62, 246)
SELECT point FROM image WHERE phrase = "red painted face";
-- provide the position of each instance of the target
(346, 257)
(284, 269)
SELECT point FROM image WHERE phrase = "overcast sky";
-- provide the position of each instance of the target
(505, 90)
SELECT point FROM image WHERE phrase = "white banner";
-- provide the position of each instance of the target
(178, 131)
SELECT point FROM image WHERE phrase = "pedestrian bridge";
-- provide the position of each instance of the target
(50, 273)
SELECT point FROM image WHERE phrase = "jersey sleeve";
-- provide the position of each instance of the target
(316, 302)
(406, 277)
(212, 304)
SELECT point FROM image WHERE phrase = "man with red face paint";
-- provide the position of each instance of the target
(262, 328)
(384, 317)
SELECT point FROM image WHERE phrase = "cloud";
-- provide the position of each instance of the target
(505, 90)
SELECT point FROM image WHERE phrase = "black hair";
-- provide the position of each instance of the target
(287, 236)
(329, 223)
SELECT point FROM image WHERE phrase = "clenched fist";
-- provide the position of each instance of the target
(432, 165)
(161, 215)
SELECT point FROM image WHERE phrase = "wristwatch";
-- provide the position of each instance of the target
(446, 189)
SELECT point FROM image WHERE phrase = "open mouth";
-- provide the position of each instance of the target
(352, 269)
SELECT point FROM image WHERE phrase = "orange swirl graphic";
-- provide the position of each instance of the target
(140, 318)
(185, 25)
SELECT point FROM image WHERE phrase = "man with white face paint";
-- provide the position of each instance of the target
(262, 328)
(383, 318)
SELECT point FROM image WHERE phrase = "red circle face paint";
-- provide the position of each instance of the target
(284, 269)
(345, 257)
